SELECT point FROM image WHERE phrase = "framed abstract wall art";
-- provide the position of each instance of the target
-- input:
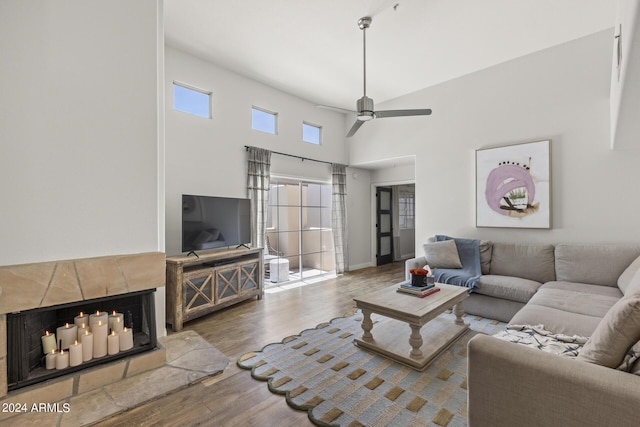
(513, 186)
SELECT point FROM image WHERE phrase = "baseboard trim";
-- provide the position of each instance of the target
(360, 266)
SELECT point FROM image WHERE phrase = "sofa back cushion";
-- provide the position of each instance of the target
(593, 264)
(533, 262)
(486, 247)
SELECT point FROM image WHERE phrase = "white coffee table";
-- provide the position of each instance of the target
(429, 335)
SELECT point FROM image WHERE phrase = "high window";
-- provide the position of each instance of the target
(311, 133)
(191, 100)
(263, 120)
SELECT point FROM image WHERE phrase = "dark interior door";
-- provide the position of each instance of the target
(384, 229)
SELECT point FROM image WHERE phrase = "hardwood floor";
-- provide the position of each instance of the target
(233, 398)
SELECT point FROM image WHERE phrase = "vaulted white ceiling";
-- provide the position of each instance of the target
(313, 48)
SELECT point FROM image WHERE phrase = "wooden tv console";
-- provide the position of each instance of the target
(215, 279)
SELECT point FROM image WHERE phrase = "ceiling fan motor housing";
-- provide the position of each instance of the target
(364, 106)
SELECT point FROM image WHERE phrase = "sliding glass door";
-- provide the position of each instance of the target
(299, 229)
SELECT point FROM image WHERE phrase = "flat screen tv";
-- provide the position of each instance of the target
(215, 222)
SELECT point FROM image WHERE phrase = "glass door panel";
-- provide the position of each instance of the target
(299, 227)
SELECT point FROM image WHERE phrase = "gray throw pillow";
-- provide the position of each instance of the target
(629, 280)
(443, 254)
(618, 330)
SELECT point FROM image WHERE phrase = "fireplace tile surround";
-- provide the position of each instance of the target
(46, 284)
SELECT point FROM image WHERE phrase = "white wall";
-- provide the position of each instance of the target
(80, 139)
(207, 156)
(82, 132)
(359, 218)
(625, 79)
(560, 93)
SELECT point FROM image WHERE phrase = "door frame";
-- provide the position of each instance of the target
(373, 213)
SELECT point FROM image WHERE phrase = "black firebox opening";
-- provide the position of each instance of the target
(25, 358)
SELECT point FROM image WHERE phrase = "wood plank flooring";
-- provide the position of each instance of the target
(233, 398)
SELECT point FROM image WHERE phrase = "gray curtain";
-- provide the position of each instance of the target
(339, 215)
(258, 178)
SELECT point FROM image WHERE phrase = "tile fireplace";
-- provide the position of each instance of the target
(44, 296)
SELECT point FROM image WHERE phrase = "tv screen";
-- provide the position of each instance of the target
(214, 222)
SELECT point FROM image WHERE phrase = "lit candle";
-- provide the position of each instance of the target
(87, 345)
(116, 321)
(126, 339)
(48, 343)
(113, 343)
(98, 316)
(100, 333)
(81, 328)
(62, 360)
(75, 354)
(50, 360)
(81, 319)
(67, 334)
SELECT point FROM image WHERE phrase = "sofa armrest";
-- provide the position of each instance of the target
(513, 385)
(418, 262)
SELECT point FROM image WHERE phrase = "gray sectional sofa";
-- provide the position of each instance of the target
(572, 289)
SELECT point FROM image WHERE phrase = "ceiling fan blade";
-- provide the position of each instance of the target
(355, 128)
(338, 109)
(402, 113)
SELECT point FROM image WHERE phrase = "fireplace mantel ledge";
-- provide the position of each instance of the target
(45, 284)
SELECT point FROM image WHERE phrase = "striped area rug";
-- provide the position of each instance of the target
(322, 372)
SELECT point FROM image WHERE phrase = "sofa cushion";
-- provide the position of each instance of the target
(507, 287)
(618, 331)
(586, 288)
(629, 280)
(533, 262)
(567, 308)
(595, 264)
(486, 247)
(443, 254)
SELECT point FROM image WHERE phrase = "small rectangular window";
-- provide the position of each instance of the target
(191, 100)
(406, 209)
(263, 120)
(311, 133)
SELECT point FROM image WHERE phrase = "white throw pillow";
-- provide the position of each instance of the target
(443, 254)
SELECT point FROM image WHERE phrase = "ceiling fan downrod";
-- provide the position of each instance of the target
(363, 24)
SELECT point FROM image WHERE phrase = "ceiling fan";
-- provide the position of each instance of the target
(364, 105)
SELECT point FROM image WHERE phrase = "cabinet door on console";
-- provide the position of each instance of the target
(197, 289)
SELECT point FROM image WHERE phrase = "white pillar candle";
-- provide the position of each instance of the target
(67, 334)
(48, 343)
(50, 359)
(113, 343)
(98, 316)
(100, 333)
(62, 360)
(81, 328)
(126, 339)
(81, 319)
(87, 345)
(75, 354)
(116, 321)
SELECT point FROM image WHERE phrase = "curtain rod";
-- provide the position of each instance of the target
(293, 155)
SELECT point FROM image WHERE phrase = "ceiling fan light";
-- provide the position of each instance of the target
(365, 116)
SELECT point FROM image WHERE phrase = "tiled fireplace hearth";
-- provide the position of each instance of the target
(64, 286)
